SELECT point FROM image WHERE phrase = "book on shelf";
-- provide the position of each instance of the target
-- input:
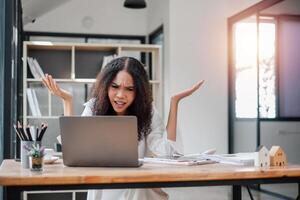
(32, 68)
(33, 102)
(38, 67)
(35, 68)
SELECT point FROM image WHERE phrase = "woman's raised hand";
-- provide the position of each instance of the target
(54, 88)
(187, 92)
(172, 119)
(66, 96)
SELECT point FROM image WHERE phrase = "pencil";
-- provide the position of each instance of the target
(39, 133)
(21, 131)
(42, 133)
(18, 134)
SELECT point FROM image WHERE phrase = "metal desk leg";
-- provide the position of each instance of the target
(298, 198)
(249, 191)
(14, 193)
(236, 192)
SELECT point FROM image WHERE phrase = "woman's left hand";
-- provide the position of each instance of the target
(187, 92)
(172, 119)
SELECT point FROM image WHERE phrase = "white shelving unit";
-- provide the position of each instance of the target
(72, 55)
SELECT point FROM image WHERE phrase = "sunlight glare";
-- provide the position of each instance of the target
(246, 69)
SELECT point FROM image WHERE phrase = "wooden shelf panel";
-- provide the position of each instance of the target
(94, 47)
(32, 80)
(42, 117)
(48, 46)
(140, 49)
(65, 80)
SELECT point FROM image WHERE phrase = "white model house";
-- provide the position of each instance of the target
(277, 156)
(262, 157)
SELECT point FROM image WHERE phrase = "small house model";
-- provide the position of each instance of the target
(277, 156)
(262, 157)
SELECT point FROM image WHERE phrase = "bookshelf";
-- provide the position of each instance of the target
(74, 66)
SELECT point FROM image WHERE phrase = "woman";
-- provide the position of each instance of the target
(123, 88)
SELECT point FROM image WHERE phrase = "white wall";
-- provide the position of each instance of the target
(195, 48)
(245, 135)
(198, 50)
(158, 14)
(105, 17)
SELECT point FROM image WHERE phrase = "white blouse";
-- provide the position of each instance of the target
(155, 143)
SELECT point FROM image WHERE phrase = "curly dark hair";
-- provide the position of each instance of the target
(141, 106)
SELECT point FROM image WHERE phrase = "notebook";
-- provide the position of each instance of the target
(99, 141)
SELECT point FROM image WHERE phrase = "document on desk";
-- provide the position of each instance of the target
(244, 159)
(177, 161)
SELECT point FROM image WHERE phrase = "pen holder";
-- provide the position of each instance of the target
(24, 152)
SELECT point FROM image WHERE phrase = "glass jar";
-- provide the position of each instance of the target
(36, 163)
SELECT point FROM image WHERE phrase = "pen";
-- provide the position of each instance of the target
(27, 130)
(37, 134)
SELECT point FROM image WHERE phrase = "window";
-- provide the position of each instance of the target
(259, 80)
(254, 49)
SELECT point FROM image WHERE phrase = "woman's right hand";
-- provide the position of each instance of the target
(54, 88)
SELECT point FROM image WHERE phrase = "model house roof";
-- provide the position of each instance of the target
(275, 149)
(260, 147)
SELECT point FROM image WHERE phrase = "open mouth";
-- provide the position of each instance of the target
(119, 104)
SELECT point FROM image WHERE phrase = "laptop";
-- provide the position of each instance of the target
(99, 141)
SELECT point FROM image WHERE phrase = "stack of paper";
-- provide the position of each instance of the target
(245, 159)
(33, 102)
(177, 161)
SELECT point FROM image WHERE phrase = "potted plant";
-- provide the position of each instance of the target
(36, 154)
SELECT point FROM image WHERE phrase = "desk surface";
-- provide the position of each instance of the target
(11, 174)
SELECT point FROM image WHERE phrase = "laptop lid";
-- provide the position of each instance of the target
(99, 141)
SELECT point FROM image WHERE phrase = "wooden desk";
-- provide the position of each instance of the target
(16, 180)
